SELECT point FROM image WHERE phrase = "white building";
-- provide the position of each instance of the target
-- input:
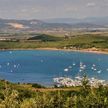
(68, 82)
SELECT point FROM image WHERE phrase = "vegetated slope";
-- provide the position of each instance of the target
(44, 38)
(47, 41)
(24, 96)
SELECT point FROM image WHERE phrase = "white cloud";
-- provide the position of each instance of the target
(91, 4)
(71, 9)
(52, 8)
(24, 10)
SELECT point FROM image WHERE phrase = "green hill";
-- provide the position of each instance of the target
(44, 38)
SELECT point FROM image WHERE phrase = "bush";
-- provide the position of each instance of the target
(37, 86)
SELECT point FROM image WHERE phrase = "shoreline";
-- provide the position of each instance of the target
(89, 50)
(74, 50)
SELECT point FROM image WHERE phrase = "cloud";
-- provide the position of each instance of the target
(24, 10)
(71, 9)
(29, 9)
(91, 4)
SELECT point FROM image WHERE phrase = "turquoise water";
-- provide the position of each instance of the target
(37, 66)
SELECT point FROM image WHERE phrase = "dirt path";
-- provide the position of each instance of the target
(54, 89)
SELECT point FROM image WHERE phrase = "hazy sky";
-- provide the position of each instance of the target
(42, 9)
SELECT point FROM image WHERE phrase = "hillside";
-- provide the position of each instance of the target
(90, 20)
(45, 38)
(25, 96)
(12, 25)
(77, 42)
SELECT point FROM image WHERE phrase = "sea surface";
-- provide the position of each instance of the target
(41, 66)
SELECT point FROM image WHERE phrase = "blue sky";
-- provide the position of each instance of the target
(43, 9)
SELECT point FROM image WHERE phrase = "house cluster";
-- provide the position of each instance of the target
(8, 38)
(77, 81)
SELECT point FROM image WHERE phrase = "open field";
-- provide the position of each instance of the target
(84, 41)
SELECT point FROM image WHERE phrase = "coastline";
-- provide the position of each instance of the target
(89, 50)
(80, 50)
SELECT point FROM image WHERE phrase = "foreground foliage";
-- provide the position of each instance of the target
(25, 96)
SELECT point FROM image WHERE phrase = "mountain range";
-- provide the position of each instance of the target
(92, 20)
(52, 24)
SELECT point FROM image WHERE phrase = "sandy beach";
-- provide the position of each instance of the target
(90, 50)
(81, 50)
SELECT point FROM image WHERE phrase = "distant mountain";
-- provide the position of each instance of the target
(92, 20)
(63, 20)
(87, 25)
(24, 23)
(11, 25)
(97, 20)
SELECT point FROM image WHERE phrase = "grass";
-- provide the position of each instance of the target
(43, 41)
(26, 96)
